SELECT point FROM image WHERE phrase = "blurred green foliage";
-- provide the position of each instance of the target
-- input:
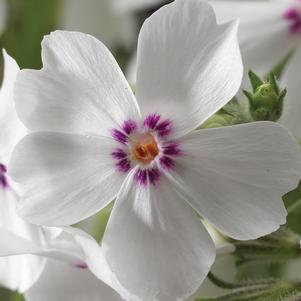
(27, 22)
(292, 202)
(6, 295)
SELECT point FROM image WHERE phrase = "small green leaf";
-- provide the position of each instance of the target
(255, 80)
(272, 80)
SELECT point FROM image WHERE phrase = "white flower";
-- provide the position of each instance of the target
(27, 267)
(60, 282)
(269, 30)
(19, 270)
(92, 141)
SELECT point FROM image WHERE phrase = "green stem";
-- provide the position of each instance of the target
(221, 283)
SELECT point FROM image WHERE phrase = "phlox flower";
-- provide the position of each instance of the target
(29, 253)
(93, 141)
(61, 282)
(269, 31)
(26, 267)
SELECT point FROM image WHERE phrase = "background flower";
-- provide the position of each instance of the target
(270, 31)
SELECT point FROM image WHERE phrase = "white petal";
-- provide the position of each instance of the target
(292, 105)
(11, 128)
(80, 89)
(235, 176)
(22, 271)
(66, 177)
(188, 67)
(69, 245)
(155, 243)
(95, 259)
(61, 282)
(19, 237)
(264, 34)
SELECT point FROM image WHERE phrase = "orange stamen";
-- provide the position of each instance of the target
(145, 149)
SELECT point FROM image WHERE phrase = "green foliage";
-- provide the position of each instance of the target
(232, 113)
(7, 295)
(279, 68)
(292, 201)
(101, 220)
(27, 22)
(279, 246)
(260, 290)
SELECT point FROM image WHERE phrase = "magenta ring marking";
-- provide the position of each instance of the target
(3, 178)
(140, 177)
(167, 163)
(293, 15)
(123, 165)
(129, 126)
(151, 121)
(172, 149)
(82, 266)
(119, 136)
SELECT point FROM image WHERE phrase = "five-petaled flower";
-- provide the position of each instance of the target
(93, 141)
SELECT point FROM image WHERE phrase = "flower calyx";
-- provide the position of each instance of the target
(266, 99)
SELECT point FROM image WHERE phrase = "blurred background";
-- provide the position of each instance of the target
(23, 23)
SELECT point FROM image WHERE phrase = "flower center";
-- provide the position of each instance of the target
(293, 16)
(145, 148)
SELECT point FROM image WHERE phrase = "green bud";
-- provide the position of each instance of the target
(266, 100)
(232, 113)
(217, 120)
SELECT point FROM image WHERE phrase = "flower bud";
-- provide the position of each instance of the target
(217, 120)
(266, 100)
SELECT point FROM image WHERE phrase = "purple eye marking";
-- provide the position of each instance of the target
(140, 177)
(293, 16)
(119, 154)
(3, 177)
(154, 175)
(119, 136)
(123, 165)
(129, 126)
(81, 266)
(167, 163)
(164, 128)
(149, 149)
(172, 149)
(151, 121)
